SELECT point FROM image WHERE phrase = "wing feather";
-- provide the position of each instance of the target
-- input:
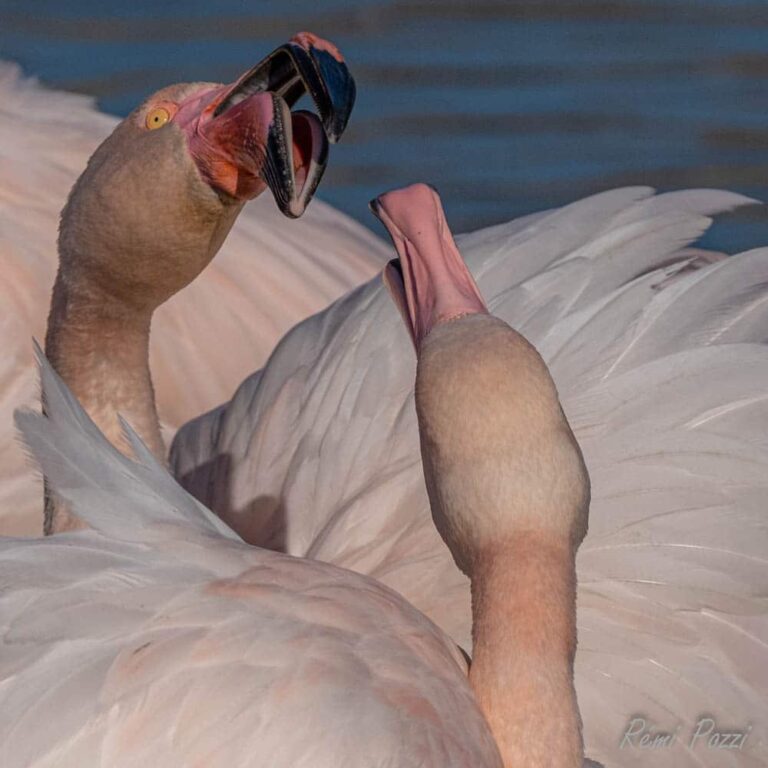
(660, 357)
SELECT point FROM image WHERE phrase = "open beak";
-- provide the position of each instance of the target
(247, 136)
(430, 283)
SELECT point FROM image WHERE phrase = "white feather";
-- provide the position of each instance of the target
(124, 499)
(157, 638)
(662, 370)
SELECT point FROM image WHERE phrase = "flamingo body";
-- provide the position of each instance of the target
(660, 360)
(160, 638)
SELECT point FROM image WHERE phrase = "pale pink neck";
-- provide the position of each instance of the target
(100, 347)
(524, 640)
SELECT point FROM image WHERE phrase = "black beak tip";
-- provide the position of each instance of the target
(277, 171)
(288, 212)
(341, 89)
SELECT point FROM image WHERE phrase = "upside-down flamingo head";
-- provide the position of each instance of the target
(507, 486)
(499, 456)
(162, 191)
(429, 282)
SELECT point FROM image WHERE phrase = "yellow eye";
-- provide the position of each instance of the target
(157, 118)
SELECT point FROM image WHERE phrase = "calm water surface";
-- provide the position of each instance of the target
(506, 106)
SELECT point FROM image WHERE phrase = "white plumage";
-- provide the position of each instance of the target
(662, 375)
(661, 369)
(160, 639)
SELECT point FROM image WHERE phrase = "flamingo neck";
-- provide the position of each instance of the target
(99, 344)
(524, 640)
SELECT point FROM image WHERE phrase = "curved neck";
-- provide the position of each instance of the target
(524, 641)
(100, 347)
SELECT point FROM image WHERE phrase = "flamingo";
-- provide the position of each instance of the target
(507, 485)
(184, 645)
(659, 357)
(659, 354)
(159, 637)
(270, 274)
(156, 202)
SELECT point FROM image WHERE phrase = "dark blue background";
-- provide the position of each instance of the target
(506, 106)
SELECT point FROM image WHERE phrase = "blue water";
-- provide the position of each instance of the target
(507, 106)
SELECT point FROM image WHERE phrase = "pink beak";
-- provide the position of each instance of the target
(244, 136)
(430, 282)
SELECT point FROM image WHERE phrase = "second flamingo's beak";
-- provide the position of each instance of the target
(429, 283)
(245, 136)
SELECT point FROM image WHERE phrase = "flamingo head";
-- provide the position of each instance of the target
(429, 282)
(162, 191)
(499, 457)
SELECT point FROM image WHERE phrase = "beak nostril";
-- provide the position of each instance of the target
(397, 265)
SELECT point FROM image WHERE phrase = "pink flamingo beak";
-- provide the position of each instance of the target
(430, 282)
(244, 136)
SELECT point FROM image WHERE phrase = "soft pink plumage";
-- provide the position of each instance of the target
(661, 376)
(269, 275)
